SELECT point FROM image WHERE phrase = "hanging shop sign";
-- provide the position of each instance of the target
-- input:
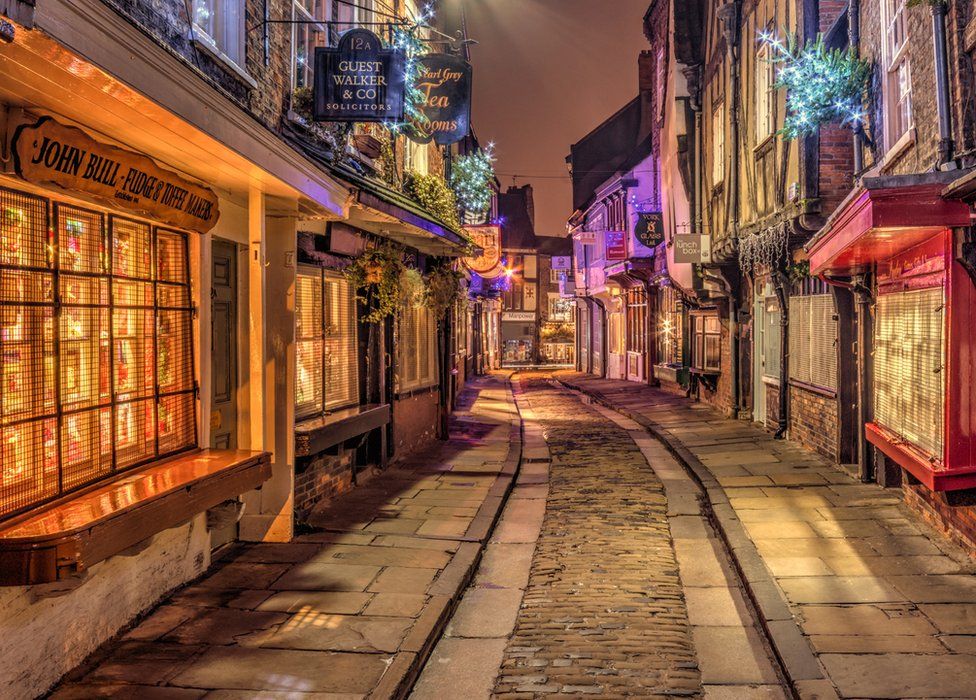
(688, 248)
(359, 80)
(561, 262)
(520, 316)
(616, 245)
(650, 229)
(585, 237)
(489, 239)
(446, 84)
(52, 154)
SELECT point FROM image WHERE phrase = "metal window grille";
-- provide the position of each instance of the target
(909, 364)
(813, 340)
(96, 340)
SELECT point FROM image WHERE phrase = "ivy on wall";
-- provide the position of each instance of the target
(433, 194)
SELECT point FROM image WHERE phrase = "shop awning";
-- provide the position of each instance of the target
(388, 213)
(884, 217)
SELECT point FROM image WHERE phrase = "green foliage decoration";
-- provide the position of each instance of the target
(407, 39)
(377, 276)
(822, 85)
(433, 194)
(443, 288)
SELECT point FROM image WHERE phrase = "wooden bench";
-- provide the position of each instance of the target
(68, 536)
(332, 430)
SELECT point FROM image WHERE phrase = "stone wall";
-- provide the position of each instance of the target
(50, 629)
(815, 422)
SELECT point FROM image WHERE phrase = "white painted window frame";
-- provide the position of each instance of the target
(899, 120)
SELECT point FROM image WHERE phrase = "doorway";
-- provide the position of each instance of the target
(223, 355)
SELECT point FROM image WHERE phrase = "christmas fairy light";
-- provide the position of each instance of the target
(822, 85)
(471, 178)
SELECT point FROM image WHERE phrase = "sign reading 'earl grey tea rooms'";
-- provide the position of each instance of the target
(446, 84)
(359, 80)
(52, 154)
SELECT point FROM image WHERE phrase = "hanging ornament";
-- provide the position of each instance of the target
(822, 85)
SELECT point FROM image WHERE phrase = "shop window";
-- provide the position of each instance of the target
(909, 372)
(220, 25)
(310, 30)
(813, 340)
(417, 348)
(706, 343)
(897, 83)
(765, 93)
(96, 340)
(669, 328)
(637, 320)
(326, 339)
(560, 310)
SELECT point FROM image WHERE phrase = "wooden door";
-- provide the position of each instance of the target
(223, 357)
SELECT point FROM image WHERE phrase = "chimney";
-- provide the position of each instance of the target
(645, 71)
(525, 192)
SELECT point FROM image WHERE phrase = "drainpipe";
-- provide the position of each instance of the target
(782, 296)
(939, 8)
(854, 41)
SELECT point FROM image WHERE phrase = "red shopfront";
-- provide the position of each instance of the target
(924, 352)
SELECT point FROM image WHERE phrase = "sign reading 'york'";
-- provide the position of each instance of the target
(50, 153)
(359, 80)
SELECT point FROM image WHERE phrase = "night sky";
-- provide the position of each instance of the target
(546, 73)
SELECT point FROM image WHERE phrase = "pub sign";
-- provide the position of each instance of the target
(446, 84)
(688, 248)
(359, 80)
(650, 229)
(489, 239)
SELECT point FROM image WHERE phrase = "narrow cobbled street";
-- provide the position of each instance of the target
(627, 594)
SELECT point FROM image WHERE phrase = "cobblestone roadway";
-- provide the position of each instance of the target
(604, 612)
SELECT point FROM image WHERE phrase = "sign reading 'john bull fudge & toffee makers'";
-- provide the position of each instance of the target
(50, 153)
(359, 80)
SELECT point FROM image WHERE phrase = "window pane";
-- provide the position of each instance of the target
(86, 446)
(135, 433)
(24, 231)
(341, 343)
(176, 418)
(310, 346)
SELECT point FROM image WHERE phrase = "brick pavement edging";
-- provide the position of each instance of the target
(792, 649)
(398, 680)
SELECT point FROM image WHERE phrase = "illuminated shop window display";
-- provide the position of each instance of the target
(96, 340)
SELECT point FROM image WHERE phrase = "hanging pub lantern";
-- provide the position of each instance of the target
(359, 80)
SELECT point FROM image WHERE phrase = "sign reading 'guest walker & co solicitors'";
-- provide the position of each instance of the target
(359, 80)
(446, 83)
(50, 153)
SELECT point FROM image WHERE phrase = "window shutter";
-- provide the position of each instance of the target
(823, 341)
(799, 339)
(341, 341)
(309, 341)
(909, 372)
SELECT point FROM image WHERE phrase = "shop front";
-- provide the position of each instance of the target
(903, 232)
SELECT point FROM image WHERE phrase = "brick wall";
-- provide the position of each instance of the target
(958, 523)
(324, 477)
(814, 422)
(415, 421)
(772, 406)
(721, 397)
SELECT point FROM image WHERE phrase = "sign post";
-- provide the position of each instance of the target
(359, 80)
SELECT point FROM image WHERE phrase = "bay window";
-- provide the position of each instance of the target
(326, 341)
(96, 339)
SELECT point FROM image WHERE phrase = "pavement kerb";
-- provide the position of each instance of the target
(792, 649)
(402, 673)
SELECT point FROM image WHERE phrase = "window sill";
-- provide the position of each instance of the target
(895, 152)
(316, 435)
(764, 146)
(417, 391)
(61, 540)
(201, 40)
(814, 389)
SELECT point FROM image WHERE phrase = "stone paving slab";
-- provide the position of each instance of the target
(350, 610)
(886, 607)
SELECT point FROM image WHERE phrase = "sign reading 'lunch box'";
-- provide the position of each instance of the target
(359, 80)
(50, 153)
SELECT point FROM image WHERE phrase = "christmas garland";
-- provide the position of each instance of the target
(415, 99)
(471, 179)
(431, 192)
(822, 85)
